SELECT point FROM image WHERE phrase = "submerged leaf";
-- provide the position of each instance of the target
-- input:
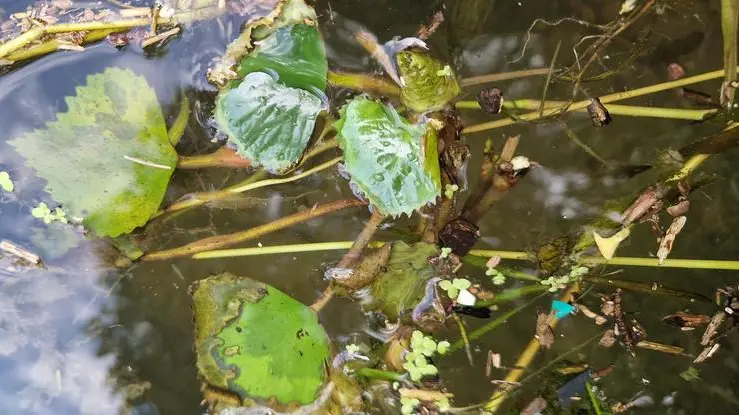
(257, 342)
(269, 123)
(402, 285)
(395, 163)
(108, 158)
(429, 84)
(296, 53)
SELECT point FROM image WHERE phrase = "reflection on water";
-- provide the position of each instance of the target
(51, 363)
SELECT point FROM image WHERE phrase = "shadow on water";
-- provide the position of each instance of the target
(82, 337)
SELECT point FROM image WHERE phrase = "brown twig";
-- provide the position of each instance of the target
(220, 241)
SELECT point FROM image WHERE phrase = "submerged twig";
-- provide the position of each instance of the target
(220, 241)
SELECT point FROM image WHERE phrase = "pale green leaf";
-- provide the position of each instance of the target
(258, 342)
(108, 158)
(269, 123)
(394, 162)
(429, 84)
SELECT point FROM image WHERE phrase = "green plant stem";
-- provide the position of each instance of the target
(513, 294)
(484, 79)
(615, 109)
(363, 82)
(618, 96)
(281, 249)
(220, 241)
(593, 399)
(370, 373)
(464, 338)
(177, 129)
(624, 261)
(549, 79)
(481, 331)
(647, 288)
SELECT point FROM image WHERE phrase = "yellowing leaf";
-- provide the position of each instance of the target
(107, 159)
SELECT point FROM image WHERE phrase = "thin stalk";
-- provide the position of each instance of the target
(618, 96)
(586, 148)
(220, 241)
(647, 288)
(549, 79)
(729, 19)
(351, 257)
(223, 157)
(362, 82)
(513, 294)
(614, 109)
(525, 359)
(484, 79)
(280, 249)
(625, 261)
(481, 331)
(465, 339)
(202, 198)
(594, 402)
(177, 129)
(370, 373)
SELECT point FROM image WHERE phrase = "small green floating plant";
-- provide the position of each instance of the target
(43, 212)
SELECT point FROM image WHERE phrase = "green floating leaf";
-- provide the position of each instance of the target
(429, 84)
(107, 159)
(395, 163)
(401, 287)
(258, 342)
(5, 182)
(269, 123)
(296, 53)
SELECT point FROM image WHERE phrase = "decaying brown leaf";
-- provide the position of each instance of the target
(681, 319)
(544, 332)
(667, 242)
(712, 328)
(643, 203)
(608, 339)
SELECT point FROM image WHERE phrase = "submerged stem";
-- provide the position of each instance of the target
(484, 79)
(524, 360)
(220, 241)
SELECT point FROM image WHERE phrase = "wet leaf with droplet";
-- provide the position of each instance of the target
(269, 123)
(429, 83)
(393, 162)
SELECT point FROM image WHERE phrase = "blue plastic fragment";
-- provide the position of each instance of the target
(562, 309)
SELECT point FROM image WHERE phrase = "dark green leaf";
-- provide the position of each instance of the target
(108, 158)
(269, 123)
(394, 162)
(296, 53)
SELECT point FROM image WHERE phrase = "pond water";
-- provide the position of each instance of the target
(80, 337)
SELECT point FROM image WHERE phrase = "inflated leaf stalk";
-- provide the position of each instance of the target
(395, 163)
(429, 84)
(108, 158)
(257, 342)
(296, 53)
(269, 123)
(401, 286)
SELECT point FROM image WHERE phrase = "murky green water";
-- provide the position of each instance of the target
(78, 337)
